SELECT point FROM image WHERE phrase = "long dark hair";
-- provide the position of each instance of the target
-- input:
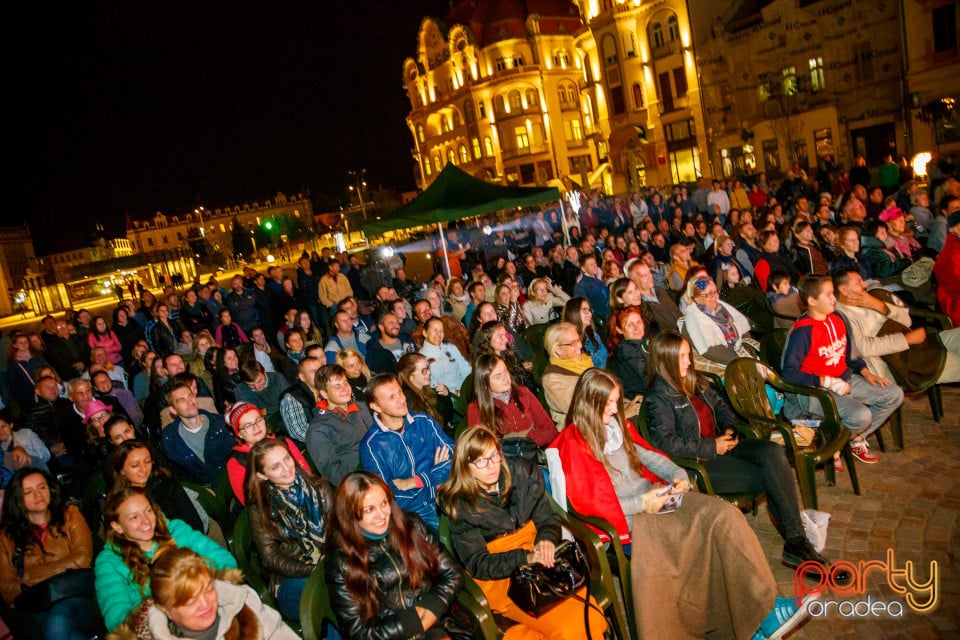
(571, 314)
(256, 490)
(130, 552)
(491, 415)
(665, 363)
(423, 400)
(585, 414)
(418, 555)
(116, 480)
(14, 522)
(462, 489)
(508, 355)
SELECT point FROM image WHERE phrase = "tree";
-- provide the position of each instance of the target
(240, 238)
(198, 245)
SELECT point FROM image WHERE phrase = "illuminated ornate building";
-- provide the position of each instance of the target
(500, 94)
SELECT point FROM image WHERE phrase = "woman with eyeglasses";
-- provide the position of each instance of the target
(250, 427)
(718, 332)
(501, 518)
(289, 510)
(544, 303)
(415, 375)
(386, 573)
(567, 361)
(578, 312)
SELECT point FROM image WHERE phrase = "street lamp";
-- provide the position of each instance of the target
(199, 212)
(359, 184)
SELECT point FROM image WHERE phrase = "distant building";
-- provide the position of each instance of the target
(216, 226)
(58, 267)
(17, 256)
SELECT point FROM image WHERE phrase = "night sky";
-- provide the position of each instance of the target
(130, 108)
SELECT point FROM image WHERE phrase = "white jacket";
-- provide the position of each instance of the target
(536, 313)
(704, 332)
(447, 365)
(864, 325)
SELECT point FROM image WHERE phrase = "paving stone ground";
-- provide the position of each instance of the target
(910, 503)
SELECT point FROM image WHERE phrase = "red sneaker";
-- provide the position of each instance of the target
(837, 462)
(862, 452)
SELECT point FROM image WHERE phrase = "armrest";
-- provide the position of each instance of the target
(826, 400)
(941, 321)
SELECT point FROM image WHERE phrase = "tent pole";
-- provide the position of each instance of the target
(563, 223)
(446, 252)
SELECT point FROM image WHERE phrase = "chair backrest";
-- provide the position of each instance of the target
(248, 560)
(315, 605)
(745, 382)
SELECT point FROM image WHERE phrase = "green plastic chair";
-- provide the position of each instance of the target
(248, 560)
(315, 606)
(471, 597)
(745, 382)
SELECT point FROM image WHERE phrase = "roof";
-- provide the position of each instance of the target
(495, 20)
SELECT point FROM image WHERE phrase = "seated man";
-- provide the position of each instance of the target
(334, 434)
(408, 450)
(345, 336)
(99, 362)
(383, 353)
(819, 353)
(883, 337)
(298, 404)
(260, 388)
(197, 443)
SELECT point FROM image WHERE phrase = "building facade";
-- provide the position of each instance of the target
(789, 81)
(216, 226)
(17, 258)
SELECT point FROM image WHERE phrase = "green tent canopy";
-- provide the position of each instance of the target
(455, 195)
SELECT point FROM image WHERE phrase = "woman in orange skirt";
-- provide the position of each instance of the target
(500, 518)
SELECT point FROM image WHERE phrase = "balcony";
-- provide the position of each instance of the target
(666, 49)
(524, 151)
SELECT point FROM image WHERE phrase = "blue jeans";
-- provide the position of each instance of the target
(863, 410)
(69, 619)
(288, 597)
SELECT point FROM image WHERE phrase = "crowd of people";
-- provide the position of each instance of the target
(350, 409)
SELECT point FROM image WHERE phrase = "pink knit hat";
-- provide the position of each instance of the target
(237, 412)
(93, 409)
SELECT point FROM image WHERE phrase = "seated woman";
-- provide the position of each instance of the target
(416, 379)
(510, 409)
(40, 538)
(567, 361)
(288, 518)
(134, 464)
(629, 348)
(136, 531)
(624, 293)
(226, 376)
(718, 332)
(191, 600)
(687, 418)
(484, 313)
(544, 302)
(494, 339)
(250, 427)
(501, 518)
(376, 551)
(577, 312)
(447, 364)
(697, 570)
(358, 374)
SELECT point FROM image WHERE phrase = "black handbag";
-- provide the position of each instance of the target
(521, 447)
(536, 589)
(72, 583)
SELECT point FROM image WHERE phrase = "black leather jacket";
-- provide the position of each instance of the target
(396, 617)
(674, 425)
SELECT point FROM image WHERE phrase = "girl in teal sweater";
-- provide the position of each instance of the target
(136, 530)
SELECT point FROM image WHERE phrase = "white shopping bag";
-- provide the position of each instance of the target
(815, 524)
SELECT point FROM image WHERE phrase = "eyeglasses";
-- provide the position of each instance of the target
(259, 422)
(425, 371)
(483, 463)
(577, 342)
(708, 294)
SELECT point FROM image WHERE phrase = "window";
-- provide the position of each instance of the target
(572, 130)
(823, 142)
(482, 110)
(163, 239)
(179, 236)
(800, 153)
(790, 85)
(945, 28)
(436, 163)
(222, 228)
(561, 58)
(771, 156)
(673, 29)
(630, 45)
(637, 96)
(149, 242)
(656, 35)
(488, 146)
(476, 148)
(444, 124)
(516, 103)
(501, 64)
(532, 102)
(816, 75)
(456, 119)
(863, 53)
(498, 106)
(523, 138)
(766, 89)
(610, 50)
(420, 135)
(468, 113)
(428, 168)
(680, 81)
(464, 157)
(517, 60)
(451, 157)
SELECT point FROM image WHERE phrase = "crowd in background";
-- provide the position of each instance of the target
(348, 408)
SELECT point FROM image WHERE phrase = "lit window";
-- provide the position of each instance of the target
(816, 75)
(482, 110)
(573, 130)
(516, 103)
(790, 85)
(463, 154)
(477, 152)
(523, 139)
(420, 135)
(488, 146)
(429, 169)
(610, 50)
(532, 102)
(436, 163)
(673, 30)
(656, 33)
(451, 157)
